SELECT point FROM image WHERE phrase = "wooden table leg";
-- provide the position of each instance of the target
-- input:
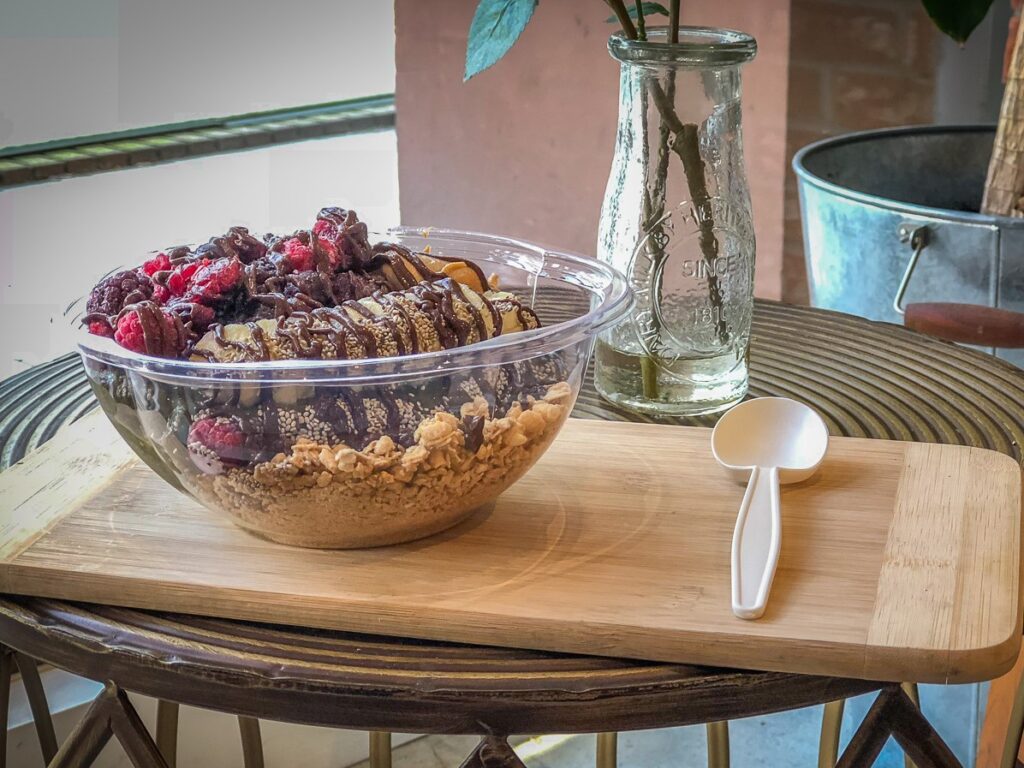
(870, 737)
(493, 752)
(831, 731)
(914, 694)
(88, 738)
(893, 713)
(167, 715)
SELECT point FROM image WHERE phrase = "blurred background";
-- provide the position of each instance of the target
(130, 125)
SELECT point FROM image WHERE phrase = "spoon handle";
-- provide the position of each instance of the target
(755, 543)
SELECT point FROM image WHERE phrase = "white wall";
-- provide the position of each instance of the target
(76, 67)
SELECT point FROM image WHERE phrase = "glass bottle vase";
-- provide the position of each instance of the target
(676, 221)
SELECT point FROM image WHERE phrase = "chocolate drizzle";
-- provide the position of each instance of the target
(338, 325)
(298, 335)
(235, 243)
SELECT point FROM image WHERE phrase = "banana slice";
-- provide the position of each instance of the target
(428, 317)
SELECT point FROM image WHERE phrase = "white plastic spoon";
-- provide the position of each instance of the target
(764, 442)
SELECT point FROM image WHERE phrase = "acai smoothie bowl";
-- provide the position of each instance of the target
(336, 389)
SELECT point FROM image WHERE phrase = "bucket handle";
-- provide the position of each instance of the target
(917, 237)
(962, 323)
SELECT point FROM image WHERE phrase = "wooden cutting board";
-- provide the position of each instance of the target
(900, 561)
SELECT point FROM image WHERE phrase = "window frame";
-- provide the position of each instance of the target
(85, 155)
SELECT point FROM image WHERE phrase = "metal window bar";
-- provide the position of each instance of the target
(31, 164)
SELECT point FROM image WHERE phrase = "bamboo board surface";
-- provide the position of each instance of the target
(900, 561)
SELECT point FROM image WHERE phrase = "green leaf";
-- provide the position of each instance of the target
(648, 9)
(957, 18)
(497, 24)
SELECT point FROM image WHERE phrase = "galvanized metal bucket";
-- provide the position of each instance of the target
(890, 217)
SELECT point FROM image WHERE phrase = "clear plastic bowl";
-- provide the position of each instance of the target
(313, 468)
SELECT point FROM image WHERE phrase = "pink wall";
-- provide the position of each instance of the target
(524, 149)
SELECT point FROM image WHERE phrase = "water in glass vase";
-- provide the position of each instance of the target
(632, 378)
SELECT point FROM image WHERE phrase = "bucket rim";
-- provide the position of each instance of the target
(806, 176)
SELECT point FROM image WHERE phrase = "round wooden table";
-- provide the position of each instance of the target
(867, 380)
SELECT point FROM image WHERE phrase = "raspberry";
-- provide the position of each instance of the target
(150, 329)
(334, 259)
(159, 263)
(324, 228)
(215, 281)
(114, 293)
(161, 293)
(179, 280)
(348, 236)
(129, 333)
(216, 441)
(299, 254)
(101, 328)
(326, 234)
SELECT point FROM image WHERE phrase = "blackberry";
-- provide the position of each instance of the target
(352, 286)
(301, 291)
(114, 293)
(196, 317)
